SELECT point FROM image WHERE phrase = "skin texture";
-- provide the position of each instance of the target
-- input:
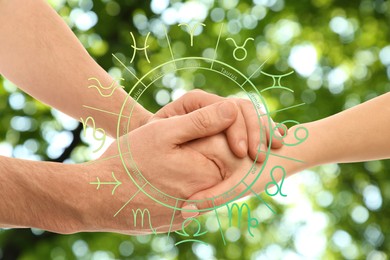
(55, 68)
(336, 139)
(29, 200)
(60, 198)
(61, 70)
(247, 119)
(32, 200)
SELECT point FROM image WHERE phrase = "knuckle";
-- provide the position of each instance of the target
(201, 121)
(247, 102)
(197, 91)
(251, 106)
(194, 92)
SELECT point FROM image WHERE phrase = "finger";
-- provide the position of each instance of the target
(203, 122)
(189, 102)
(277, 139)
(237, 137)
(270, 127)
(282, 129)
(256, 137)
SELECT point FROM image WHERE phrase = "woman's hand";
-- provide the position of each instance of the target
(157, 158)
(290, 157)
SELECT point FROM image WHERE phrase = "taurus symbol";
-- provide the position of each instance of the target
(242, 47)
(134, 46)
(191, 31)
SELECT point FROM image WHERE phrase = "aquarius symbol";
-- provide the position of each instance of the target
(185, 234)
(105, 88)
(252, 222)
(116, 183)
(134, 46)
(275, 183)
(103, 138)
(242, 47)
(135, 215)
(191, 31)
(277, 79)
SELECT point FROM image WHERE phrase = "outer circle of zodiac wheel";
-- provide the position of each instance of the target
(203, 65)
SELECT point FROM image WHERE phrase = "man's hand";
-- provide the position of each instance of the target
(245, 136)
(159, 152)
(234, 169)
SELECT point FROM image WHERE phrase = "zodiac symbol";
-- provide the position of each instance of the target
(274, 182)
(252, 222)
(103, 138)
(185, 234)
(135, 215)
(98, 183)
(300, 139)
(105, 88)
(242, 47)
(134, 46)
(191, 31)
(277, 79)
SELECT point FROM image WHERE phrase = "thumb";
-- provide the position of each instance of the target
(207, 121)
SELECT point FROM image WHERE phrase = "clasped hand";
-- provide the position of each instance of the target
(181, 150)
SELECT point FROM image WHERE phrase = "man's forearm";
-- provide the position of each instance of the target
(41, 55)
(42, 195)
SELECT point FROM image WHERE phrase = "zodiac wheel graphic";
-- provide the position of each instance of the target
(217, 68)
(208, 68)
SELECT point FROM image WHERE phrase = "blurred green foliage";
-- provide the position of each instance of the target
(341, 55)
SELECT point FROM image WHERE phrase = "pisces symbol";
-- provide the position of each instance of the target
(135, 48)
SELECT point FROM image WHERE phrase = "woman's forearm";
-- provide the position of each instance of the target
(354, 135)
(42, 56)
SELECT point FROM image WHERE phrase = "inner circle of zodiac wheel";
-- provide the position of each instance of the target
(210, 68)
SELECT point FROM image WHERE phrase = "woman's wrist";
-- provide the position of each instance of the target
(302, 149)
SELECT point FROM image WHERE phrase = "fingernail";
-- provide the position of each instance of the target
(285, 129)
(263, 147)
(192, 214)
(242, 145)
(226, 110)
(277, 132)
